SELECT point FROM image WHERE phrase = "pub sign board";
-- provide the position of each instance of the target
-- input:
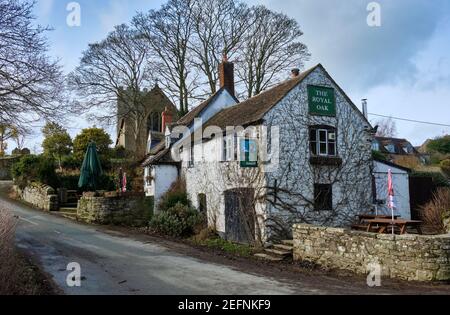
(249, 153)
(321, 101)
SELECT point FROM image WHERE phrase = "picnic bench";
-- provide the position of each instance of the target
(383, 224)
(362, 221)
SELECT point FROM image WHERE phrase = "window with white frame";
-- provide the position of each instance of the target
(323, 141)
(228, 148)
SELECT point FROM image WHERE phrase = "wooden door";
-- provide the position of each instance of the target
(240, 215)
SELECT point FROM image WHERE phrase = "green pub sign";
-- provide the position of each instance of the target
(249, 153)
(321, 101)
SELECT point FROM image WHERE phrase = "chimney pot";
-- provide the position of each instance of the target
(295, 72)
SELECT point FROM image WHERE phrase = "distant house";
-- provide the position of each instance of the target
(298, 152)
(400, 177)
(399, 151)
(151, 126)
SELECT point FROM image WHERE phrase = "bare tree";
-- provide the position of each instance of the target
(220, 26)
(31, 84)
(271, 45)
(386, 128)
(168, 31)
(114, 71)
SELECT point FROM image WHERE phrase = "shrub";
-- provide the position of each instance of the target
(69, 162)
(445, 166)
(439, 180)
(176, 194)
(437, 211)
(8, 274)
(33, 168)
(178, 221)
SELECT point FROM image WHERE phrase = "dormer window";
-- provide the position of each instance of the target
(390, 148)
(322, 141)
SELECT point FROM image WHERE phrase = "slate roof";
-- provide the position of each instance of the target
(398, 145)
(162, 157)
(254, 109)
(187, 119)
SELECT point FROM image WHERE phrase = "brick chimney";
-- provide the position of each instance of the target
(167, 118)
(226, 75)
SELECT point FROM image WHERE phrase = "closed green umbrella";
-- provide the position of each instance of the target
(91, 170)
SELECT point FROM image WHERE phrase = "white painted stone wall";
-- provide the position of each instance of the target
(401, 188)
(163, 178)
(351, 181)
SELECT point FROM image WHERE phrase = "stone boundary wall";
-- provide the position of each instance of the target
(40, 196)
(407, 257)
(115, 209)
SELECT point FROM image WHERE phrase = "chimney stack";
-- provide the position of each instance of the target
(364, 108)
(295, 72)
(167, 118)
(226, 75)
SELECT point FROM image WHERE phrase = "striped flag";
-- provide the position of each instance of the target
(124, 182)
(391, 204)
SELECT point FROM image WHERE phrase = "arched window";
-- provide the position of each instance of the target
(154, 122)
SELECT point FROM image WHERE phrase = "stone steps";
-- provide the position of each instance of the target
(288, 248)
(277, 252)
(268, 257)
(67, 210)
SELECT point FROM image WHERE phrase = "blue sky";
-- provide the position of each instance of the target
(402, 67)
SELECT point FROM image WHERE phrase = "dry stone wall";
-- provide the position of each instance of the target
(114, 209)
(40, 196)
(408, 257)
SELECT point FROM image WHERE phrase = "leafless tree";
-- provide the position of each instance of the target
(115, 71)
(386, 128)
(271, 45)
(167, 32)
(31, 84)
(219, 29)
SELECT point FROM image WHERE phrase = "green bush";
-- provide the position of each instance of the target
(438, 178)
(177, 221)
(377, 155)
(170, 199)
(445, 166)
(33, 168)
(106, 182)
(69, 162)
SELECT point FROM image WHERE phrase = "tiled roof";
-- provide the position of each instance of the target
(254, 109)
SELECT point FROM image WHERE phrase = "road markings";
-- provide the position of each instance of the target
(29, 221)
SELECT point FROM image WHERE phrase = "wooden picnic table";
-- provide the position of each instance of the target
(362, 220)
(384, 224)
(364, 217)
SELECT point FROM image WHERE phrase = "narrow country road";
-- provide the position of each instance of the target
(118, 265)
(112, 263)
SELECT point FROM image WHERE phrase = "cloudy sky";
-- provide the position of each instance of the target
(401, 67)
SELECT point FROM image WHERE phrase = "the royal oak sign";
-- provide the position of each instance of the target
(321, 101)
